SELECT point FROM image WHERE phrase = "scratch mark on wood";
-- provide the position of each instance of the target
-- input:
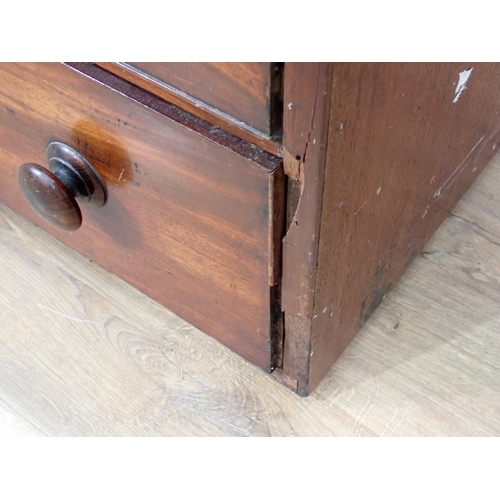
(181, 377)
(402, 418)
(390, 422)
(457, 171)
(360, 207)
(462, 80)
(364, 411)
(41, 306)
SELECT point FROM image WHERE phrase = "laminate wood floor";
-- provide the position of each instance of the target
(84, 354)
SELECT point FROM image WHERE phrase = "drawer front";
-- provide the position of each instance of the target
(244, 92)
(193, 215)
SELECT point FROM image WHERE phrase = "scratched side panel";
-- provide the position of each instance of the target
(404, 145)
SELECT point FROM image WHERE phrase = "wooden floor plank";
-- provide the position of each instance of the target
(84, 354)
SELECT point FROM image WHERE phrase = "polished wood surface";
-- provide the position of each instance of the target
(188, 219)
(227, 89)
(84, 354)
(399, 154)
(247, 91)
(179, 115)
(241, 90)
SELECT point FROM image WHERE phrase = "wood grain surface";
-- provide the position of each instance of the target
(243, 96)
(84, 354)
(188, 220)
(399, 154)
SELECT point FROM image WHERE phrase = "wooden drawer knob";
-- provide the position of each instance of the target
(53, 193)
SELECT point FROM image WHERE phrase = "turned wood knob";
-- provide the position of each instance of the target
(53, 193)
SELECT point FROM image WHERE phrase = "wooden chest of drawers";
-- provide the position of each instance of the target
(272, 205)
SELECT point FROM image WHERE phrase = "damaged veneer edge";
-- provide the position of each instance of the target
(305, 130)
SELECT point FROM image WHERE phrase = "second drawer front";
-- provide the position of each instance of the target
(244, 93)
(189, 222)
